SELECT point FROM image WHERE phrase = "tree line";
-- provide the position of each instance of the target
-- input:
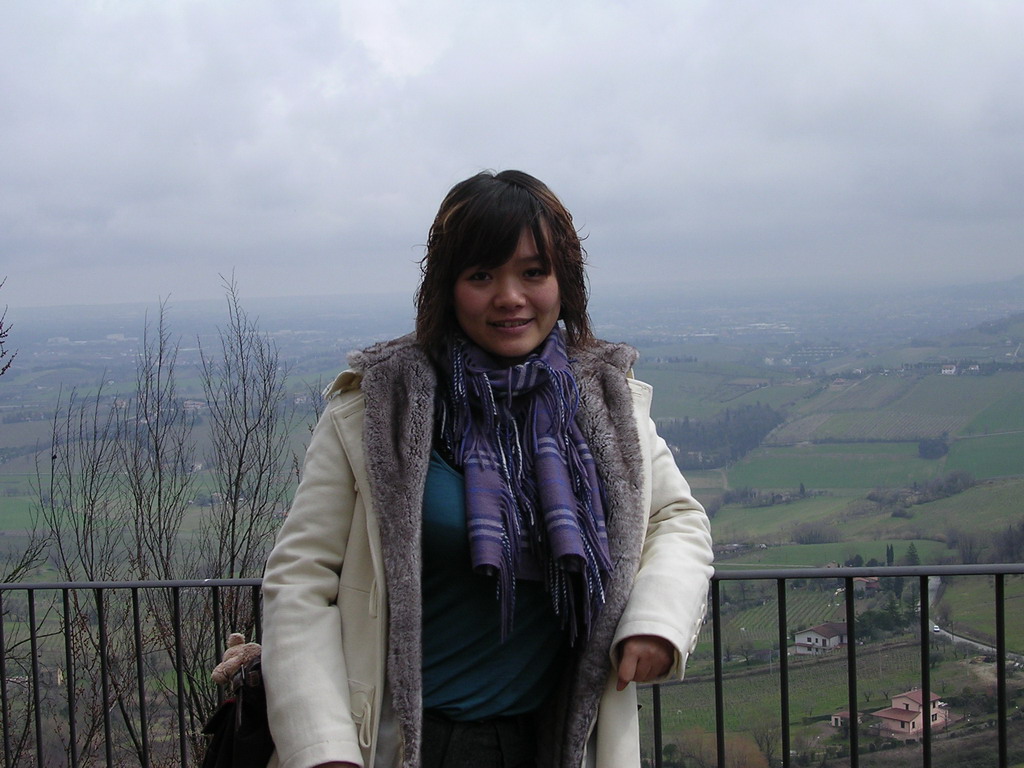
(723, 439)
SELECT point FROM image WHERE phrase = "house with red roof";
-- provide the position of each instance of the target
(905, 718)
(866, 585)
(823, 638)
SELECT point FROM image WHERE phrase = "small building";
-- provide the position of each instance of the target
(823, 638)
(905, 718)
(842, 719)
(866, 585)
(949, 370)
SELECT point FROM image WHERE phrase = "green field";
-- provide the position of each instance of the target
(970, 605)
(987, 507)
(985, 510)
(998, 455)
(933, 394)
(16, 513)
(820, 555)
(859, 394)
(702, 390)
(1005, 412)
(834, 466)
(907, 408)
(888, 424)
(734, 523)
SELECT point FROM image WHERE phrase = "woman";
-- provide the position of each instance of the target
(490, 545)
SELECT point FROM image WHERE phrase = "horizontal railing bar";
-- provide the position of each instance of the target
(153, 584)
(726, 573)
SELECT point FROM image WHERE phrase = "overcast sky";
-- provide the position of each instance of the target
(148, 147)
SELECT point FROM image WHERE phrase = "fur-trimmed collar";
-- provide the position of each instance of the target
(399, 382)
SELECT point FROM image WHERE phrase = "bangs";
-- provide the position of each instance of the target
(485, 230)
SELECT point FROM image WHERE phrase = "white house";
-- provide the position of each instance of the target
(821, 639)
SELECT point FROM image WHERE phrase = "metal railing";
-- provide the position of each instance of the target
(846, 577)
(117, 673)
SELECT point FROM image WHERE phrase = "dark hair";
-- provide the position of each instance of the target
(479, 224)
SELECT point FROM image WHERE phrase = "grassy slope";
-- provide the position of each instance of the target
(15, 514)
(998, 455)
(860, 528)
(820, 555)
(842, 466)
(703, 389)
(969, 600)
(908, 408)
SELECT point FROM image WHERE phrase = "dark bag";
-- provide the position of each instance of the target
(241, 734)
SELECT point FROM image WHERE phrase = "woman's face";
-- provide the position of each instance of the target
(509, 310)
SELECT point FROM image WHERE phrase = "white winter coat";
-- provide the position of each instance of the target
(342, 602)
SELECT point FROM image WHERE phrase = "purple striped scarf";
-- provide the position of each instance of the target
(533, 497)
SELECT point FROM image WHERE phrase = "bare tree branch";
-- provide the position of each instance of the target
(158, 457)
(114, 496)
(4, 330)
(250, 422)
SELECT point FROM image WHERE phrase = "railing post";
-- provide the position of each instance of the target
(924, 595)
(179, 654)
(4, 714)
(101, 627)
(716, 627)
(36, 698)
(220, 637)
(783, 670)
(1001, 666)
(851, 672)
(656, 700)
(257, 614)
(69, 673)
(141, 674)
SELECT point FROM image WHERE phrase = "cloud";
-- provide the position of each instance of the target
(148, 147)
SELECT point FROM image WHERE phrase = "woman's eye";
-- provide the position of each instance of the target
(477, 276)
(536, 272)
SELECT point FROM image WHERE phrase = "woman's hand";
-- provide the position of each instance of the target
(643, 658)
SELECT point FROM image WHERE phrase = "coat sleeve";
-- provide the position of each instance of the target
(308, 696)
(669, 597)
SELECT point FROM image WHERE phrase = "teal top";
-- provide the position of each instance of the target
(468, 673)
